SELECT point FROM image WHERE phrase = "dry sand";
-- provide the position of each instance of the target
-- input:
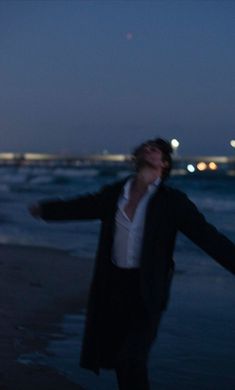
(37, 287)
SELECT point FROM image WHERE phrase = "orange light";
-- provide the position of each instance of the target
(201, 166)
(213, 166)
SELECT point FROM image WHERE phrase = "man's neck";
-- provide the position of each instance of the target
(144, 178)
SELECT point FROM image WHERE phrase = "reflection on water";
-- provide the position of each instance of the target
(62, 353)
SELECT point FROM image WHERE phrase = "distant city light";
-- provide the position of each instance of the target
(190, 168)
(37, 156)
(201, 166)
(8, 156)
(232, 143)
(175, 143)
(213, 166)
(107, 157)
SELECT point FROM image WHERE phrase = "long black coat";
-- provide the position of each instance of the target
(168, 211)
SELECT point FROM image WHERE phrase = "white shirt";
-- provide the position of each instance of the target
(128, 234)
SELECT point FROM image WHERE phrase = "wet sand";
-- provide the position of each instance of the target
(38, 286)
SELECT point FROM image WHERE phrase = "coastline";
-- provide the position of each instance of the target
(41, 287)
(38, 287)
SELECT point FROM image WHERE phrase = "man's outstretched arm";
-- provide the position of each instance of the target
(193, 224)
(89, 206)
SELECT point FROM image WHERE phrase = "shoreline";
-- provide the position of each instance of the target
(38, 287)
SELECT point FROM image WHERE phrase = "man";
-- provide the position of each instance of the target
(133, 270)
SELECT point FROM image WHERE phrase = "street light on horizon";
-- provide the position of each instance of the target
(232, 143)
(175, 145)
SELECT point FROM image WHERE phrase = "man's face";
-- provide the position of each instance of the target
(149, 154)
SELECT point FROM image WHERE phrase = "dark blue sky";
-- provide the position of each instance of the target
(83, 76)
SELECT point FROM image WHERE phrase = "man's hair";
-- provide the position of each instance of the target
(165, 148)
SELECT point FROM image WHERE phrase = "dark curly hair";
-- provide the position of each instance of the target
(164, 146)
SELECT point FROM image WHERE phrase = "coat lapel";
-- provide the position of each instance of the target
(156, 209)
(155, 220)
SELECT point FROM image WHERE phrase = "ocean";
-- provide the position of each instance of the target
(196, 343)
(20, 187)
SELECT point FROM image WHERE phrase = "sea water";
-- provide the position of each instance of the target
(21, 187)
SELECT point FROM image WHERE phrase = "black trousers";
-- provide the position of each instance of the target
(128, 331)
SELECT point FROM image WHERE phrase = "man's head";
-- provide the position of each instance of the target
(155, 153)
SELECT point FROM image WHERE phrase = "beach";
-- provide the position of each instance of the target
(46, 270)
(38, 286)
(43, 288)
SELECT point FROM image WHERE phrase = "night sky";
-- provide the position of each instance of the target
(84, 76)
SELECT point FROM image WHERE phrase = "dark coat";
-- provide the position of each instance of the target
(168, 211)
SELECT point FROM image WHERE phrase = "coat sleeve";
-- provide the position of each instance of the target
(193, 224)
(84, 207)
